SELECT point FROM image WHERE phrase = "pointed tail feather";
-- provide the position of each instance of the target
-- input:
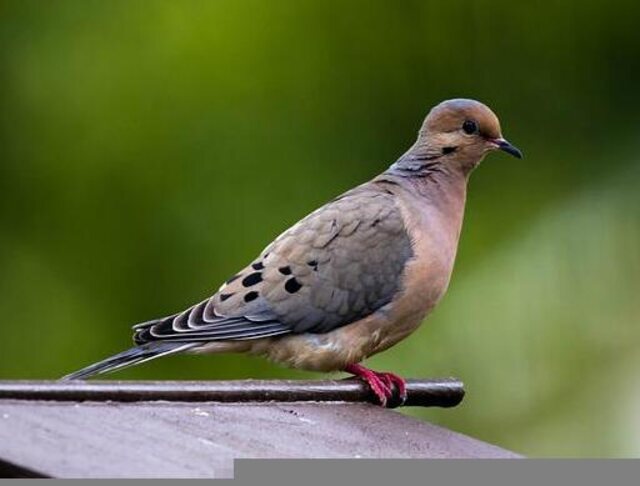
(130, 357)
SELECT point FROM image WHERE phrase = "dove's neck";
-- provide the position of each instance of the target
(432, 176)
(417, 162)
(434, 193)
(434, 154)
(436, 188)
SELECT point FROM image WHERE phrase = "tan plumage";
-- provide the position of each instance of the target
(352, 278)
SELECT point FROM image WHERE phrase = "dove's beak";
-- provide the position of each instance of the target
(504, 145)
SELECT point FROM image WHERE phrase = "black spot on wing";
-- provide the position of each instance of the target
(292, 285)
(285, 270)
(252, 279)
(258, 266)
(250, 296)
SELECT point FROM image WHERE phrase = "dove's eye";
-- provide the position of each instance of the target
(470, 127)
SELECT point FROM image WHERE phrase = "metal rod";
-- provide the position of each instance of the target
(443, 392)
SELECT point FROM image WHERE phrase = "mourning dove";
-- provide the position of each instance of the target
(353, 277)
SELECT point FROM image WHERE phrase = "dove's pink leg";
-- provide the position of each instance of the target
(382, 384)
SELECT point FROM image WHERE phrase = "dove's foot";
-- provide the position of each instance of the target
(389, 388)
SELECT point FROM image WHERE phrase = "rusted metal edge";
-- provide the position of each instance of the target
(442, 392)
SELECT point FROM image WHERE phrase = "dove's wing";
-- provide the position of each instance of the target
(336, 266)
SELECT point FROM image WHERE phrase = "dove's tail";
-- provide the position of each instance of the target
(130, 357)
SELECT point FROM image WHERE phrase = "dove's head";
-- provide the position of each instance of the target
(462, 132)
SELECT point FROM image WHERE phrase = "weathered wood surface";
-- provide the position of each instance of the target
(201, 439)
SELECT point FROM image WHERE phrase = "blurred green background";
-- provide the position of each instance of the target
(149, 149)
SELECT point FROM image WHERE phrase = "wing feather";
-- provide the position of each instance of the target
(339, 264)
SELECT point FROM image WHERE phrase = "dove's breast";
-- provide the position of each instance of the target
(434, 228)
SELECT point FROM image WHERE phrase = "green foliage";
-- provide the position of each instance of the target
(150, 149)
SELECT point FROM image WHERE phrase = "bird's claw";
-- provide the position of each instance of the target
(389, 388)
(397, 388)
